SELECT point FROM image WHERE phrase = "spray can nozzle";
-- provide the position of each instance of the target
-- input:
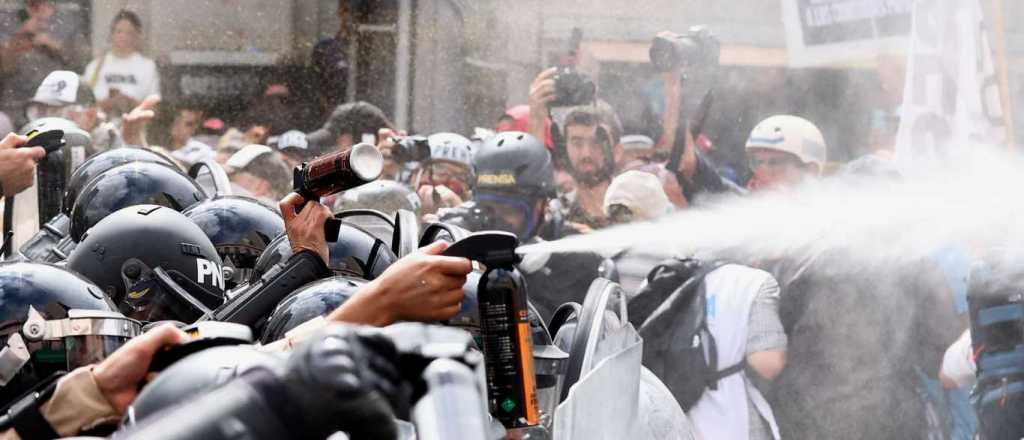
(492, 248)
(50, 140)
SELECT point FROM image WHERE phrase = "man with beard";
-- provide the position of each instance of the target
(590, 136)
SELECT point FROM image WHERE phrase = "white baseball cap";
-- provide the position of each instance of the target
(639, 191)
(60, 88)
(246, 155)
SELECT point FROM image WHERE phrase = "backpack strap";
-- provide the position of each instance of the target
(714, 374)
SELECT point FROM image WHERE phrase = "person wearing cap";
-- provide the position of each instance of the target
(635, 196)
(637, 150)
(784, 150)
(257, 172)
(36, 48)
(292, 147)
(62, 94)
(122, 77)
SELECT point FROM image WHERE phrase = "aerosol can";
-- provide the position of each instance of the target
(504, 328)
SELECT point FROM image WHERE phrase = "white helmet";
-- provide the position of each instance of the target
(791, 134)
(451, 147)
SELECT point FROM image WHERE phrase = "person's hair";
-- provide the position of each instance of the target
(591, 116)
(132, 18)
(358, 118)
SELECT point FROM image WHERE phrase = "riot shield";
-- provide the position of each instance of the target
(211, 177)
(375, 222)
(608, 393)
(407, 232)
(600, 330)
(659, 414)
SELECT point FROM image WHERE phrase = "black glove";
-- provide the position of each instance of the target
(344, 379)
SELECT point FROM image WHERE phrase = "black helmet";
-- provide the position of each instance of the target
(35, 292)
(516, 163)
(153, 262)
(355, 252)
(140, 183)
(312, 300)
(386, 196)
(240, 228)
(100, 163)
(195, 375)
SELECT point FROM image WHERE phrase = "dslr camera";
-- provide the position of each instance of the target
(410, 149)
(572, 88)
(698, 47)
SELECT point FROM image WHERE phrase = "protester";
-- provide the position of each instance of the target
(31, 53)
(292, 147)
(635, 196)
(330, 64)
(347, 125)
(121, 78)
(637, 150)
(257, 172)
(833, 316)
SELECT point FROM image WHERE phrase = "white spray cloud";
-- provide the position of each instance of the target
(976, 202)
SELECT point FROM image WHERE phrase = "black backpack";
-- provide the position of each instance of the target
(670, 314)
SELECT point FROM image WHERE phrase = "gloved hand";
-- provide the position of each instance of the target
(344, 380)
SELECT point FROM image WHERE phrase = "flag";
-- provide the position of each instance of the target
(951, 101)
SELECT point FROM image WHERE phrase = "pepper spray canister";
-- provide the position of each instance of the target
(337, 172)
(508, 348)
(504, 327)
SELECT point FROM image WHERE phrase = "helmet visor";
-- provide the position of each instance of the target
(89, 349)
(509, 214)
(83, 337)
(163, 295)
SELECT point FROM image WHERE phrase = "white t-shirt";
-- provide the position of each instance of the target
(135, 76)
(958, 362)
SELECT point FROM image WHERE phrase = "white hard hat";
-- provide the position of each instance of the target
(790, 134)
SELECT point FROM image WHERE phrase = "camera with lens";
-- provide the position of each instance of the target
(572, 88)
(410, 149)
(698, 47)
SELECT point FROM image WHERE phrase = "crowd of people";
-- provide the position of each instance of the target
(795, 348)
